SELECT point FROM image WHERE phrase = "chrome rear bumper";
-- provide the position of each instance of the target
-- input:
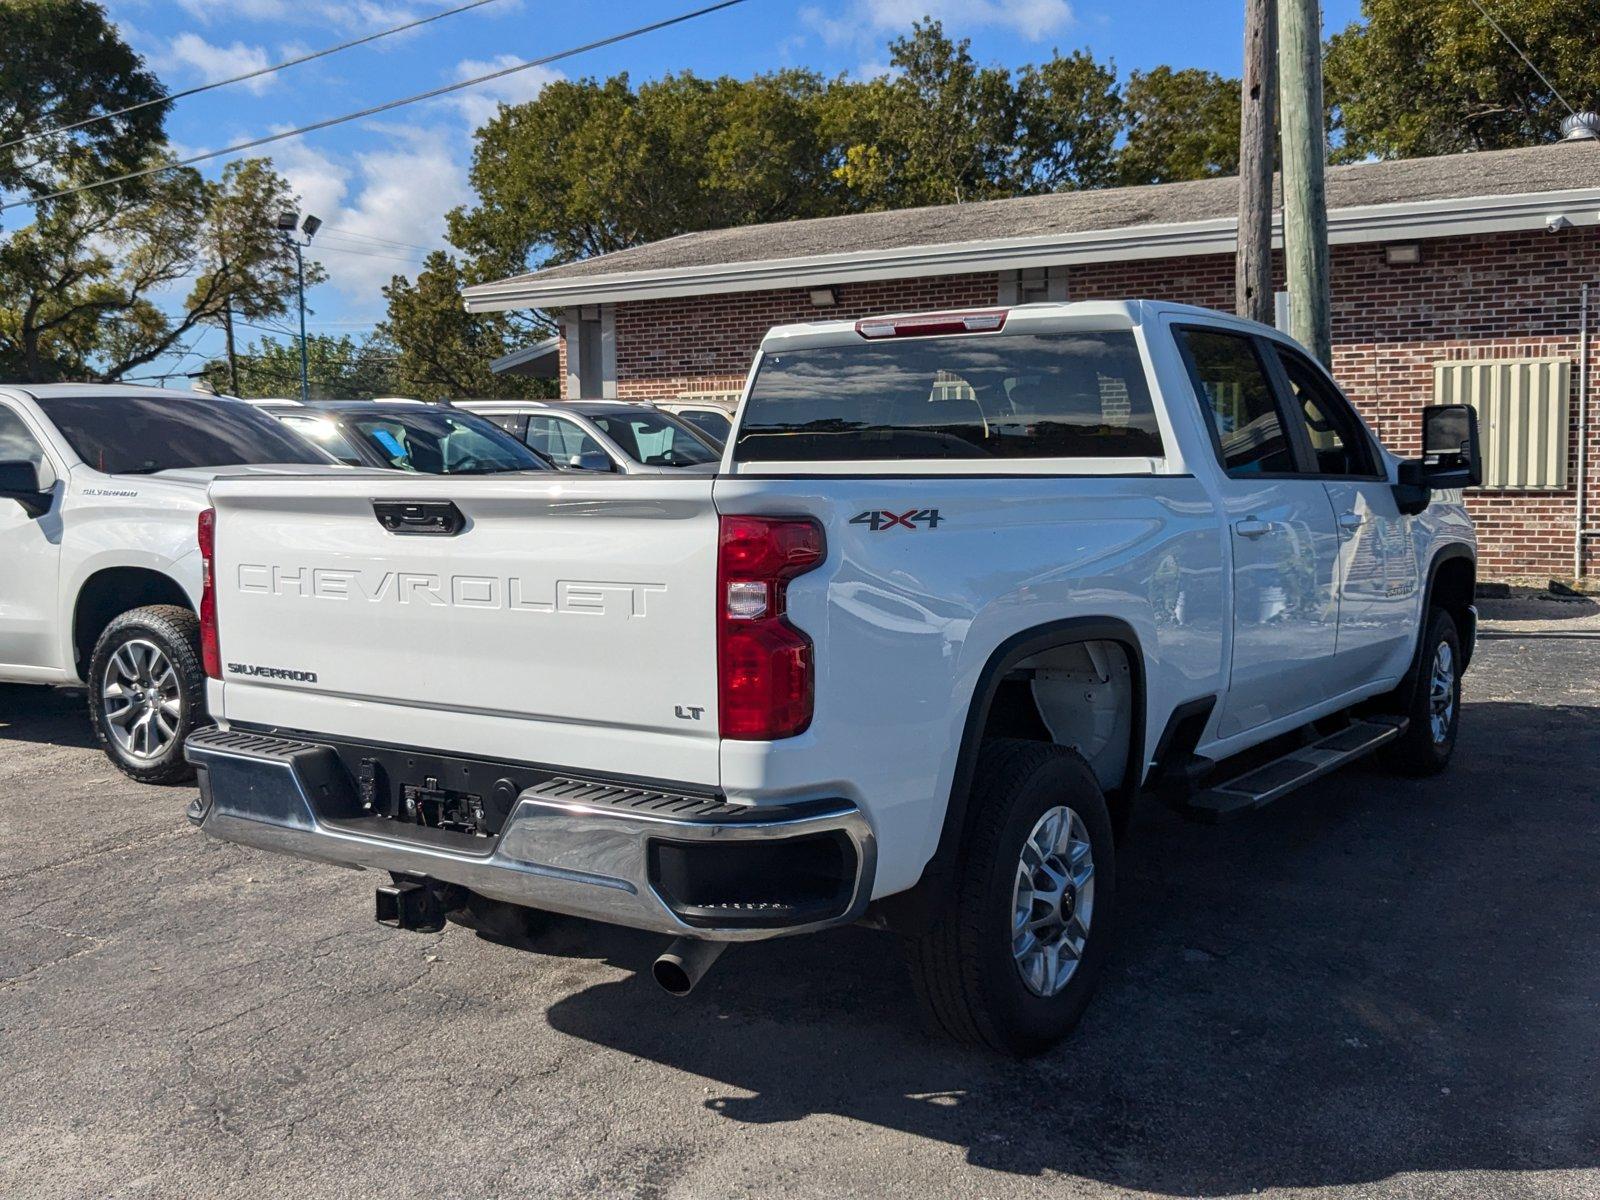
(571, 846)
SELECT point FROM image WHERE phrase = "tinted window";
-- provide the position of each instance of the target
(710, 423)
(561, 440)
(442, 443)
(513, 423)
(1336, 436)
(136, 435)
(1233, 386)
(17, 444)
(653, 438)
(325, 434)
(1065, 395)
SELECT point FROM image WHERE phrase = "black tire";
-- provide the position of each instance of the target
(175, 632)
(1422, 749)
(964, 970)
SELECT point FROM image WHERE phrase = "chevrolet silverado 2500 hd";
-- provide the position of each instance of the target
(965, 585)
(99, 487)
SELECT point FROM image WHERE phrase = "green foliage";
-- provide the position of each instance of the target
(1180, 125)
(62, 63)
(339, 368)
(1424, 79)
(445, 351)
(85, 290)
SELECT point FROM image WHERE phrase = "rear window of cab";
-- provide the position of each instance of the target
(965, 396)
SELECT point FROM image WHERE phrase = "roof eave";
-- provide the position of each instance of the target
(1371, 223)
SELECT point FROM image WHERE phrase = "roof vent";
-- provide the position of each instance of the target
(1581, 127)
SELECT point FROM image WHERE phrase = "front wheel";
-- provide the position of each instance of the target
(1013, 961)
(147, 691)
(1433, 708)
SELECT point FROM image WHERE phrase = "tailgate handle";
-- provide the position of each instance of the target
(425, 518)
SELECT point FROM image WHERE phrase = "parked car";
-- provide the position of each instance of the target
(407, 435)
(602, 435)
(968, 585)
(710, 420)
(100, 487)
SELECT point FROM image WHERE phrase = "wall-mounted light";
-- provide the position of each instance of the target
(824, 297)
(1402, 254)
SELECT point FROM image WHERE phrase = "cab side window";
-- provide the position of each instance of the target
(17, 444)
(1338, 442)
(1239, 401)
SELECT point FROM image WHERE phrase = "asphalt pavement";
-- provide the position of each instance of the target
(1376, 987)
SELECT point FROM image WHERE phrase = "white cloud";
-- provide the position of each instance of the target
(192, 53)
(860, 22)
(378, 206)
(481, 103)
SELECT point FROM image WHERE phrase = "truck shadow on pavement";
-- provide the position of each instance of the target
(1377, 977)
(46, 715)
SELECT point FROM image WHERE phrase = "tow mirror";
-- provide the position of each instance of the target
(1451, 456)
(19, 481)
(591, 461)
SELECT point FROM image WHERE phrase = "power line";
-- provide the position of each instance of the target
(387, 106)
(1487, 16)
(372, 237)
(412, 259)
(256, 74)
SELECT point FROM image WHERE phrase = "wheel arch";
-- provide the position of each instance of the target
(107, 594)
(915, 907)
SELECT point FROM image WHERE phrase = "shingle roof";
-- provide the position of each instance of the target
(1563, 166)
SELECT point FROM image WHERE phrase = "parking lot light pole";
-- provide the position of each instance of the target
(289, 224)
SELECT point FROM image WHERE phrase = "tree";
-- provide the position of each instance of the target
(944, 130)
(1180, 125)
(1425, 79)
(85, 289)
(64, 62)
(339, 368)
(443, 351)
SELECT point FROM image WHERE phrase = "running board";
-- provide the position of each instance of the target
(1264, 784)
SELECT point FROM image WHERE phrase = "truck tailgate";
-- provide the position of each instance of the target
(569, 622)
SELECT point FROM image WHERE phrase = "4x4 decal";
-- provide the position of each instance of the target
(879, 519)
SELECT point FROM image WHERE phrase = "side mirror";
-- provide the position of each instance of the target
(594, 460)
(19, 481)
(1451, 456)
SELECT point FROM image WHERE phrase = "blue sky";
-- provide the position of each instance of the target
(383, 186)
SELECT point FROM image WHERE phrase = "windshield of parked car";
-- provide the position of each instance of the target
(139, 435)
(654, 438)
(998, 395)
(435, 442)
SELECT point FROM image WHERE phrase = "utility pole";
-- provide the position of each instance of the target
(305, 364)
(1258, 98)
(1305, 157)
(233, 358)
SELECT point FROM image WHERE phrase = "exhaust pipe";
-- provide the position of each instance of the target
(683, 963)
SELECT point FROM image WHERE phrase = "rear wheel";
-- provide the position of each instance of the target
(1433, 709)
(1013, 960)
(147, 691)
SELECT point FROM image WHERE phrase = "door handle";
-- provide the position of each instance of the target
(1351, 522)
(1252, 528)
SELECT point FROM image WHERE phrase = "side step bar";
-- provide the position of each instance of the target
(1264, 784)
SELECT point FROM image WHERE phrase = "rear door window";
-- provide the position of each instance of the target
(971, 396)
(560, 439)
(139, 435)
(1338, 441)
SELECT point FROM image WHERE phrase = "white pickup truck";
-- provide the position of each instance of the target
(99, 490)
(965, 586)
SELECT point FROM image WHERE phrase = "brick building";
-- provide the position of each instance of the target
(1459, 276)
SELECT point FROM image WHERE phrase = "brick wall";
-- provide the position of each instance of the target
(1490, 296)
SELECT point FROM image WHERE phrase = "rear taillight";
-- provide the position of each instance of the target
(206, 534)
(764, 663)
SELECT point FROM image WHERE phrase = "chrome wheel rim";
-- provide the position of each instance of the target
(140, 698)
(1052, 901)
(1442, 692)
